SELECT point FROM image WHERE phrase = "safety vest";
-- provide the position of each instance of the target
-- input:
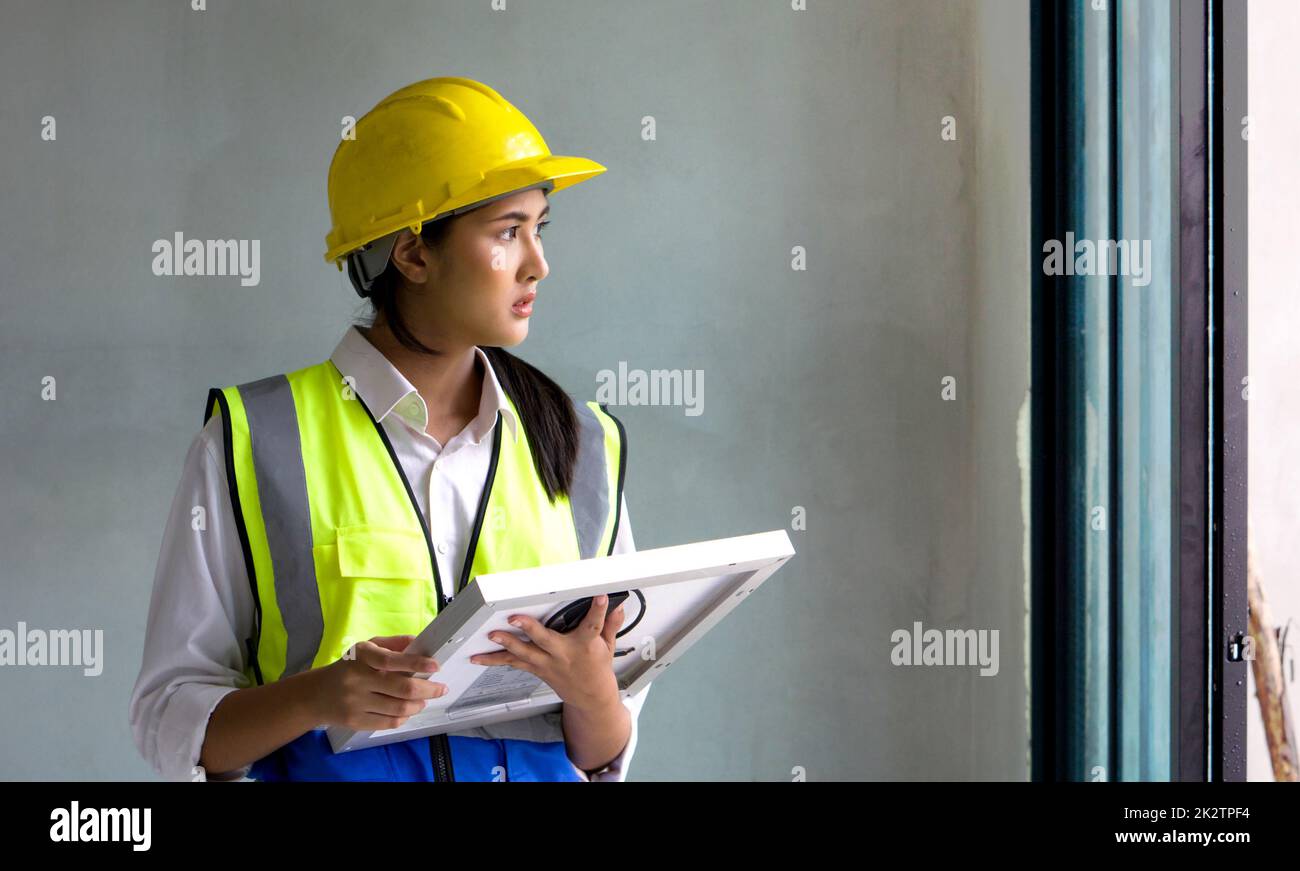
(338, 552)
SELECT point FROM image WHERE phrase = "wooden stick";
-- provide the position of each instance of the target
(1270, 687)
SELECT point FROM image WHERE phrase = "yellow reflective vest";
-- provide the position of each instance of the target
(336, 546)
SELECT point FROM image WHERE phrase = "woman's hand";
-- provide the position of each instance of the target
(577, 665)
(374, 688)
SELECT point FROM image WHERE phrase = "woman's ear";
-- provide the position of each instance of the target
(411, 257)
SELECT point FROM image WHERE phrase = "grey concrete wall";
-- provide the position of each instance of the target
(775, 128)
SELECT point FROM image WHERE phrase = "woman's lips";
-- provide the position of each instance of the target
(524, 307)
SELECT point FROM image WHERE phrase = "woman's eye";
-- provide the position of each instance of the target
(512, 231)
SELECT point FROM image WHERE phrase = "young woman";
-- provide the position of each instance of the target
(328, 514)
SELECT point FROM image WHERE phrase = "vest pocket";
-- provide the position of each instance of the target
(373, 580)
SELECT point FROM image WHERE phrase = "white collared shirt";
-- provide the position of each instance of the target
(202, 608)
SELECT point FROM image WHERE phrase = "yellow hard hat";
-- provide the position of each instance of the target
(432, 149)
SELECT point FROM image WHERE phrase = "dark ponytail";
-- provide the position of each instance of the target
(548, 418)
(545, 409)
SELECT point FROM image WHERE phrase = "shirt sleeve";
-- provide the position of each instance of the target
(200, 613)
(616, 771)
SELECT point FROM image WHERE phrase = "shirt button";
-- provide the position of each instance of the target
(442, 548)
(437, 464)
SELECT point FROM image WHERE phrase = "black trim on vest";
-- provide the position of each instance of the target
(439, 746)
(415, 505)
(622, 467)
(254, 641)
(482, 505)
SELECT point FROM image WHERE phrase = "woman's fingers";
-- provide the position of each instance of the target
(388, 659)
(594, 621)
(393, 642)
(536, 632)
(387, 706)
(400, 686)
(504, 657)
(612, 624)
(515, 646)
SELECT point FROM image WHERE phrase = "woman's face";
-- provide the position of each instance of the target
(467, 288)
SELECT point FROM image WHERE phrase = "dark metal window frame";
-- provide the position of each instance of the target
(1213, 351)
(1209, 502)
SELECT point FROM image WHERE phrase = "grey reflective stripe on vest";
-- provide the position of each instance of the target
(282, 490)
(589, 492)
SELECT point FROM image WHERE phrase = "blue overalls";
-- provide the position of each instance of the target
(472, 759)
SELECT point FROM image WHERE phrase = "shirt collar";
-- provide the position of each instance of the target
(385, 389)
